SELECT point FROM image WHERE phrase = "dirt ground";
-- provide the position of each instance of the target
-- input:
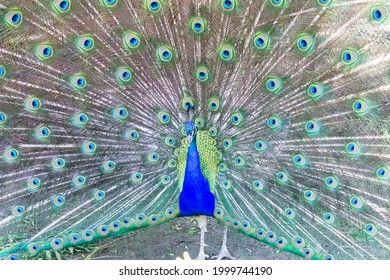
(170, 240)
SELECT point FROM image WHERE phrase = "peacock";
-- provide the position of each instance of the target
(270, 116)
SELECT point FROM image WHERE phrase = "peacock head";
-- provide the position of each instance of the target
(190, 131)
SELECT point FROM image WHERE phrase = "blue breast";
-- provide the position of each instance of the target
(195, 198)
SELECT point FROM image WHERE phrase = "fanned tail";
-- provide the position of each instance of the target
(95, 96)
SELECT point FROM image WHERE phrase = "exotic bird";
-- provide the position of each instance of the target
(271, 116)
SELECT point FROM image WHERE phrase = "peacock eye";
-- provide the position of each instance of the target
(85, 43)
(227, 143)
(274, 122)
(199, 123)
(383, 173)
(226, 52)
(131, 40)
(187, 103)
(261, 145)
(350, 57)
(237, 118)
(169, 141)
(153, 157)
(99, 195)
(141, 218)
(290, 213)
(312, 127)
(226, 184)
(228, 5)
(239, 161)
(379, 13)
(261, 40)
(44, 51)
(282, 177)
(11, 155)
(299, 242)
(13, 18)
(324, 2)
(329, 218)
(110, 3)
(258, 185)
(88, 235)
(42, 133)
(222, 167)
(58, 200)
(328, 257)
(58, 163)
(172, 163)
(315, 91)
(299, 160)
(360, 107)
(164, 54)
(164, 117)
(270, 236)
(308, 253)
(356, 202)
(137, 177)
(198, 25)
(214, 104)
(74, 238)
(18, 211)
(309, 195)
(62, 6)
(281, 242)
(153, 219)
(103, 230)
(260, 234)
(165, 179)
(353, 149)
(2, 71)
(278, 3)
(80, 119)
(32, 104)
(57, 244)
(108, 166)
(274, 85)
(3, 118)
(115, 226)
(371, 229)
(120, 113)
(132, 134)
(89, 148)
(34, 184)
(213, 131)
(33, 248)
(124, 74)
(126, 222)
(331, 182)
(78, 82)
(79, 181)
(153, 6)
(203, 74)
(305, 43)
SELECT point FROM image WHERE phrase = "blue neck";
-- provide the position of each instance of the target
(195, 197)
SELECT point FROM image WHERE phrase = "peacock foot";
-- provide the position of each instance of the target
(224, 253)
(202, 256)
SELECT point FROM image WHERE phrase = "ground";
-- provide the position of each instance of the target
(170, 240)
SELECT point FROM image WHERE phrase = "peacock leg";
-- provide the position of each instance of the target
(202, 222)
(224, 253)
